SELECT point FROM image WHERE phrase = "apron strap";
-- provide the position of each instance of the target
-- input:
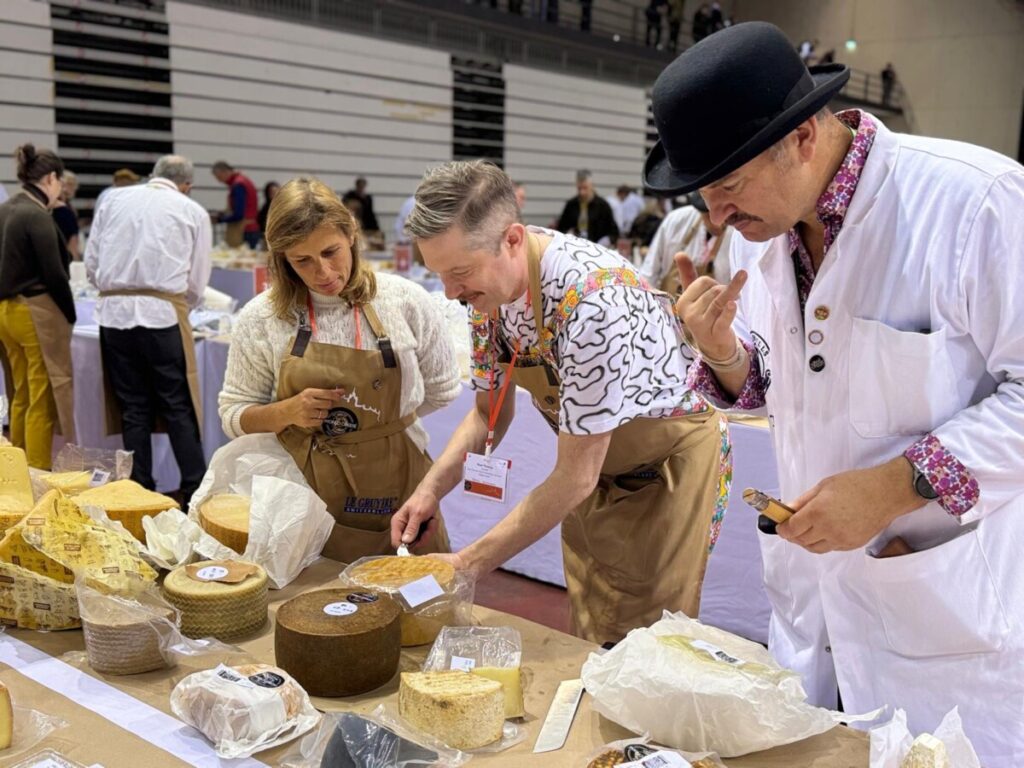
(386, 350)
(365, 435)
(177, 299)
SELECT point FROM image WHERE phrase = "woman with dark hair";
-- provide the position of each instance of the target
(37, 311)
(340, 362)
(269, 191)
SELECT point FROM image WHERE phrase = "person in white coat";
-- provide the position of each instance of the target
(687, 229)
(875, 311)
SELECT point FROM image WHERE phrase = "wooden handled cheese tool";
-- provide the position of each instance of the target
(772, 510)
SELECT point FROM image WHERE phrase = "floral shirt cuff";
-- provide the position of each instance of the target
(957, 488)
(702, 378)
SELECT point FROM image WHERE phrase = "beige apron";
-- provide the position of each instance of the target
(234, 233)
(361, 462)
(640, 543)
(670, 284)
(177, 300)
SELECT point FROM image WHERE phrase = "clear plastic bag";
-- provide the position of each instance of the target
(892, 742)
(244, 709)
(106, 465)
(492, 652)
(698, 688)
(431, 593)
(640, 753)
(30, 727)
(377, 740)
(288, 523)
(48, 758)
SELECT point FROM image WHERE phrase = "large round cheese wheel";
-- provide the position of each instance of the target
(215, 609)
(225, 516)
(339, 642)
(390, 573)
(462, 710)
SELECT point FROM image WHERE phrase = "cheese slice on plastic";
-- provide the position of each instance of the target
(6, 718)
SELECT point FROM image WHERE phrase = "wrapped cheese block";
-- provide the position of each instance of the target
(127, 502)
(224, 600)
(462, 710)
(420, 625)
(31, 601)
(16, 498)
(244, 709)
(68, 483)
(337, 642)
(225, 516)
(56, 539)
(926, 752)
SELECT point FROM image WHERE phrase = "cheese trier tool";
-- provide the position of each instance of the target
(772, 510)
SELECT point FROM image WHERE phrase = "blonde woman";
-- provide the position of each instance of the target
(339, 362)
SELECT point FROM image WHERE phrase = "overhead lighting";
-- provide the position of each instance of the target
(851, 45)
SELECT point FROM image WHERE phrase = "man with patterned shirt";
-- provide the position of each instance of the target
(641, 479)
(875, 312)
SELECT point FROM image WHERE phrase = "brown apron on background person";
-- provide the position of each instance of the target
(361, 461)
(234, 232)
(177, 300)
(640, 542)
(54, 333)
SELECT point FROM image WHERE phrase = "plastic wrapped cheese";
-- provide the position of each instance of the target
(244, 709)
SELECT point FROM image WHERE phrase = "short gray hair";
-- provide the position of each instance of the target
(174, 167)
(583, 175)
(475, 196)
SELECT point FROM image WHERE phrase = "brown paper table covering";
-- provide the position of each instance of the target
(548, 658)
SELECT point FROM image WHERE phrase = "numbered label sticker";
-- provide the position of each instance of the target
(340, 609)
(212, 573)
(461, 662)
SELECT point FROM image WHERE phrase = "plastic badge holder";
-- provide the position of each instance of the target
(377, 740)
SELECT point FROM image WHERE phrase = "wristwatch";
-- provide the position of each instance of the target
(922, 486)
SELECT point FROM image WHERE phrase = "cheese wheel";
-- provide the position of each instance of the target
(225, 516)
(124, 643)
(213, 609)
(462, 710)
(16, 498)
(391, 573)
(339, 642)
(127, 502)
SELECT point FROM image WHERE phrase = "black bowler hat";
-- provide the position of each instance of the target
(727, 99)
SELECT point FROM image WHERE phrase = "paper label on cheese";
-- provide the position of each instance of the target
(421, 591)
(715, 652)
(224, 572)
(227, 673)
(267, 680)
(660, 759)
(99, 477)
(461, 662)
(340, 609)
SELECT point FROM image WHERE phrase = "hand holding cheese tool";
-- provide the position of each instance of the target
(772, 510)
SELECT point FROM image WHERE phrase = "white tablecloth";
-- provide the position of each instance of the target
(733, 596)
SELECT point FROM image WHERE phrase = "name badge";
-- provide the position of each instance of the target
(486, 476)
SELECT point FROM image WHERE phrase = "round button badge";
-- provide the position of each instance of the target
(817, 363)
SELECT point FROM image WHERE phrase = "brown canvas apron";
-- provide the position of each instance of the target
(640, 542)
(177, 300)
(361, 462)
(234, 232)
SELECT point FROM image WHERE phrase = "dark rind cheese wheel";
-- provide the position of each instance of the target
(339, 642)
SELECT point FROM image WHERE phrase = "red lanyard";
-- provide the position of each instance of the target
(312, 321)
(492, 412)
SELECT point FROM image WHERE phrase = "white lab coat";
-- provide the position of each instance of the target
(925, 333)
(683, 230)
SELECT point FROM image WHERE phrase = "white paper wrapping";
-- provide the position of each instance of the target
(891, 742)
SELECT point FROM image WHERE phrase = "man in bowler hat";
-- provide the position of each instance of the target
(876, 312)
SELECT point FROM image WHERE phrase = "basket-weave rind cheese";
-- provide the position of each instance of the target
(391, 573)
(213, 609)
(339, 642)
(127, 502)
(125, 645)
(462, 710)
(225, 516)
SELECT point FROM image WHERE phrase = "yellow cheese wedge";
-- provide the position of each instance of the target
(57, 538)
(127, 502)
(226, 518)
(6, 718)
(15, 486)
(70, 483)
(511, 679)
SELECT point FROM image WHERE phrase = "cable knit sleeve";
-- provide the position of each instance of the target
(251, 376)
(434, 350)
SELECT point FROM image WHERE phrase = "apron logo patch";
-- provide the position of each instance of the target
(340, 421)
(359, 505)
(762, 349)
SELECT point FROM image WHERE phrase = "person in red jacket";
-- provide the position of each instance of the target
(243, 207)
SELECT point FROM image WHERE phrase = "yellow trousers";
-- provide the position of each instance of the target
(33, 411)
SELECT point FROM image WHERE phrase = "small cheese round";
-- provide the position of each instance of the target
(125, 645)
(339, 642)
(225, 516)
(462, 710)
(391, 573)
(214, 609)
